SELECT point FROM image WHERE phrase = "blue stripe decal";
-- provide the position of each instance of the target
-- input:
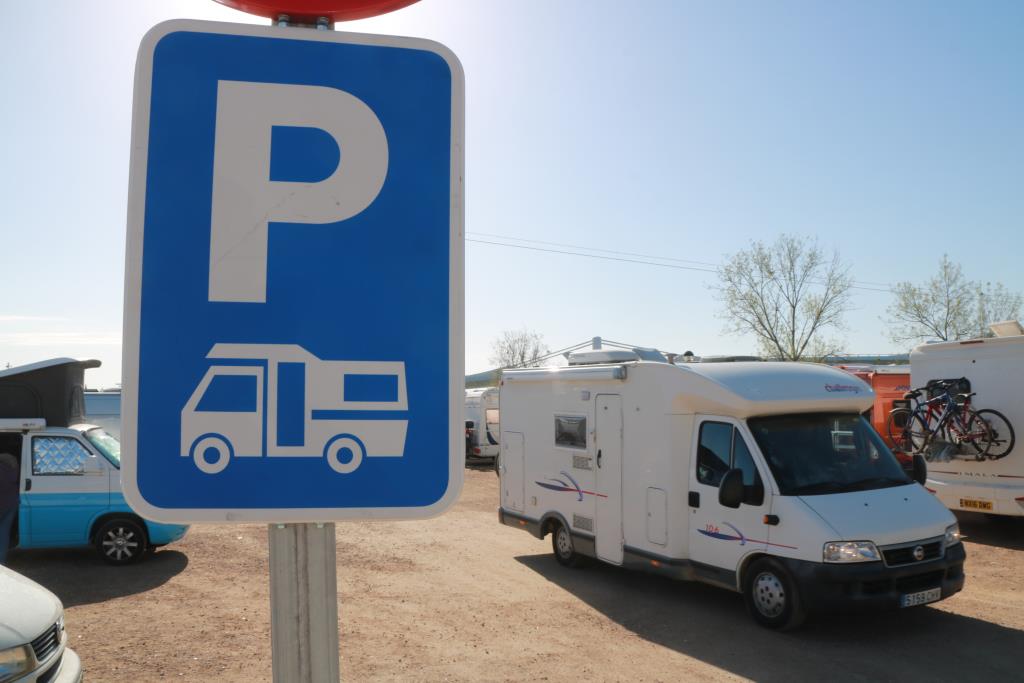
(360, 414)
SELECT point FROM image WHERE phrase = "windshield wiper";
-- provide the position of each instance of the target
(818, 488)
(874, 482)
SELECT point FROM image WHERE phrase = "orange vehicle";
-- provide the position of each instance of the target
(889, 383)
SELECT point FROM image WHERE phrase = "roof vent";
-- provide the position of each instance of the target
(1007, 328)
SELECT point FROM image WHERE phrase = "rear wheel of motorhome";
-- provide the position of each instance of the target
(1001, 436)
(772, 597)
(344, 453)
(211, 453)
(121, 540)
(561, 543)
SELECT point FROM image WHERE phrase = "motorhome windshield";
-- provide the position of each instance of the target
(825, 453)
(106, 444)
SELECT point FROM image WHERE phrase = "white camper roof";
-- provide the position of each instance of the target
(992, 345)
(742, 389)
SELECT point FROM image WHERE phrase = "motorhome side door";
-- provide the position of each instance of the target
(721, 536)
(608, 477)
(513, 474)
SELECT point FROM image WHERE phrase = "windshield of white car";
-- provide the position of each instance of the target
(818, 454)
(106, 444)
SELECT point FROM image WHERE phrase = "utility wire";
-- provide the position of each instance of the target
(641, 261)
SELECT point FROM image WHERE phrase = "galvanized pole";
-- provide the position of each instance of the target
(303, 584)
(303, 603)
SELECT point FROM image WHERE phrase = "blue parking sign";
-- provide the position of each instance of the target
(293, 342)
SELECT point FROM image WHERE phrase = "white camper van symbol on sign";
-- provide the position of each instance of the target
(279, 400)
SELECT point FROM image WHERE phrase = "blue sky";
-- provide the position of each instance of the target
(892, 132)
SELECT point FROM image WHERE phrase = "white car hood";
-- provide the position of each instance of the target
(899, 514)
(26, 609)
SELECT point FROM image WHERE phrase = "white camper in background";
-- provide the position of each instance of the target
(482, 430)
(762, 478)
(994, 369)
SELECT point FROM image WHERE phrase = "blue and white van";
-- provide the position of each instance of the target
(71, 492)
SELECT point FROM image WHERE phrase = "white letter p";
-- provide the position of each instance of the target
(245, 200)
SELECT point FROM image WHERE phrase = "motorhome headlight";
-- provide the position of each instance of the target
(952, 535)
(14, 662)
(851, 551)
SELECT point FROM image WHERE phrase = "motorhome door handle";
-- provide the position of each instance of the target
(28, 484)
(694, 499)
(598, 457)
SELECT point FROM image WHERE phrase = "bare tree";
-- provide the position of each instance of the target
(949, 307)
(787, 294)
(518, 349)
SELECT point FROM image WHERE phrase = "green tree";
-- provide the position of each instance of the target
(788, 295)
(949, 307)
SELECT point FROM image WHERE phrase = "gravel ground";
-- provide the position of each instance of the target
(463, 598)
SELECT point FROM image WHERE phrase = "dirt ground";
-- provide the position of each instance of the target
(463, 598)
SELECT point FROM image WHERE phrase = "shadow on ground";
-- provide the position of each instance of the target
(79, 577)
(1000, 532)
(712, 625)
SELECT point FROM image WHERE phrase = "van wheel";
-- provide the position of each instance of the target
(561, 544)
(772, 597)
(121, 541)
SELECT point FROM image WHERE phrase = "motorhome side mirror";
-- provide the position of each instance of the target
(730, 490)
(92, 465)
(920, 469)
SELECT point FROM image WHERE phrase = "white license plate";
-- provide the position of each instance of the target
(920, 598)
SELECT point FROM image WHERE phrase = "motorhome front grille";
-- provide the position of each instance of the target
(44, 645)
(906, 584)
(905, 554)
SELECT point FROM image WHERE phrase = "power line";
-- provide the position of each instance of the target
(641, 261)
(644, 256)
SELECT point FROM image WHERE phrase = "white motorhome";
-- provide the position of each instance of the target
(762, 478)
(482, 430)
(994, 370)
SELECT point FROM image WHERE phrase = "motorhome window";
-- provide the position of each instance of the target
(106, 444)
(371, 388)
(713, 452)
(570, 431)
(58, 455)
(491, 415)
(229, 394)
(825, 453)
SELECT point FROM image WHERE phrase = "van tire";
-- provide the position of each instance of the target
(562, 546)
(772, 597)
(121, 541)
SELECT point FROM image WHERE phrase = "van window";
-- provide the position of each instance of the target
(58, 455)
(713, 452)
(570, 431)
(721, 449)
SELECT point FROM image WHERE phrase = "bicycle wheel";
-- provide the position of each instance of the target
(966, 427)
(918, 435)
(1001, 435)
(896, 428)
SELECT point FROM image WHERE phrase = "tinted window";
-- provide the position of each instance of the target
(825, 453)
(570, 431)
(58, 455)
(713, 452)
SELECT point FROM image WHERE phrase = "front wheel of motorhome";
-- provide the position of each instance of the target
(772, 596)
(344, 453)
(565, 552)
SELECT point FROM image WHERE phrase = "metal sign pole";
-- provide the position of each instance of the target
(303, 603)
